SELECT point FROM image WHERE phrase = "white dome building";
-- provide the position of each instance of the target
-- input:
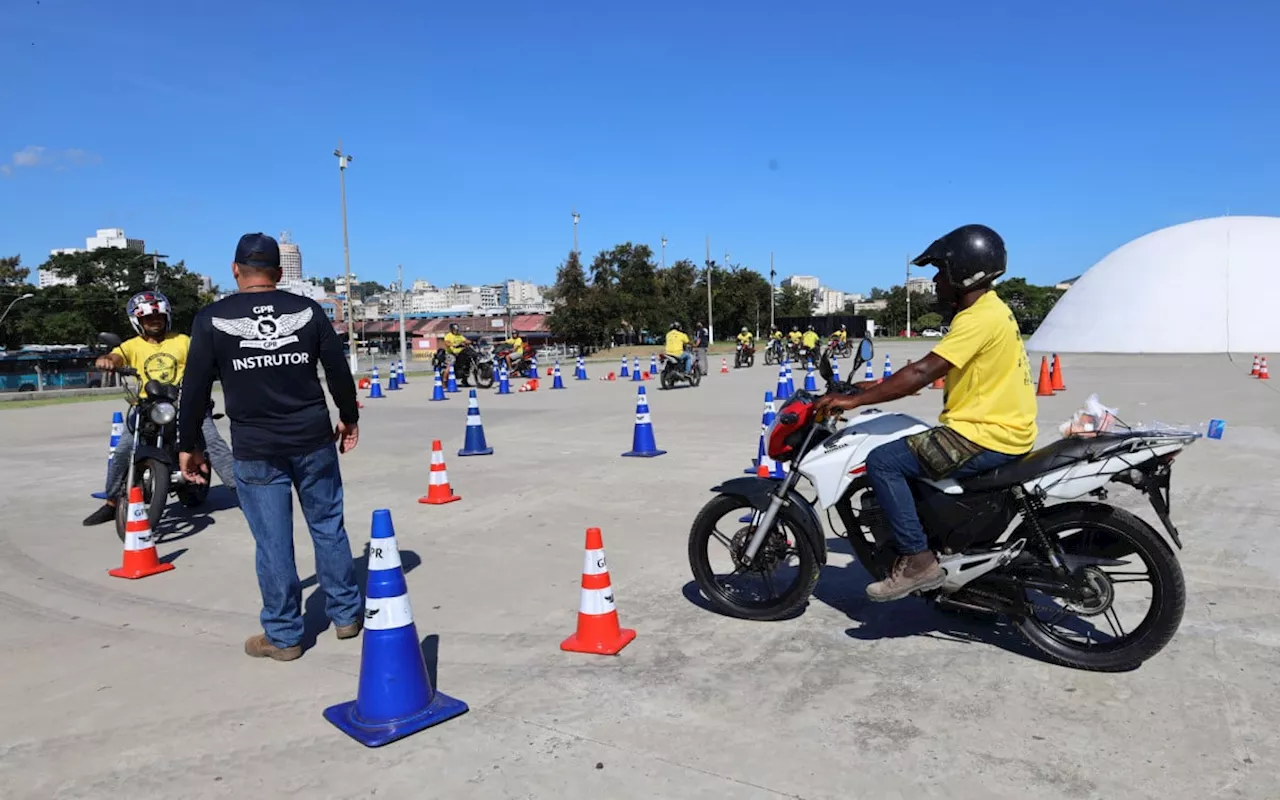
(1209, 286)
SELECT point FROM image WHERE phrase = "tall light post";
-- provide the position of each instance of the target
(13, 303)
(772, 291)
(343, 160)
(906, 285)
(400, 298)
(664, 252)
(710, 329)
(576, 217)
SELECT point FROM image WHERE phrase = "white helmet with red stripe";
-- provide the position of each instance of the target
(144, 304)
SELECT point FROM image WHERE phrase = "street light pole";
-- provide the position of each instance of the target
(772, 291)
(664, 252)
(400, 297)
(576, 217)
(906, 285)
(343, 160)
(710, 329)
(13, 303)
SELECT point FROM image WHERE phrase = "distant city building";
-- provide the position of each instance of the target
(521, 293)
(206, 283)
(921, 286)
(303, 288)
(340, 283)
(828, 301)
(808, 282)
(103, 237)
(290, 259)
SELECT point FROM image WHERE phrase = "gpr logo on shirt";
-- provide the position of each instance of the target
(265, 331)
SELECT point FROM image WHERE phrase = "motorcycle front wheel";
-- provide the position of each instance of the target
(484, 375)
(153, 478)
(768, 357)
(776, 585)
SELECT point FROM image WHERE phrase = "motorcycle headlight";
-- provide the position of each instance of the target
(163, 413)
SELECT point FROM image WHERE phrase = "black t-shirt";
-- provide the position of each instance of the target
(700, 337)
(266, 347)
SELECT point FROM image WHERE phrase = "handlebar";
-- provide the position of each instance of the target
(128, 372)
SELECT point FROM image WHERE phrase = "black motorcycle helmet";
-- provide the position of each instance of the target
(972, 256)
(453, 327)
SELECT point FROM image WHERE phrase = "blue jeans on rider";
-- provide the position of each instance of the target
(686, 361)
(266, 497)
(219, 458)
(891, 466)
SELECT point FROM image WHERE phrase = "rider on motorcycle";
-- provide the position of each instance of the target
(795, 336)
(744, 337)
(517, 351)
(158, 354)
(841, 336)
(455, 344)
(677, 341)
(989, 403)
(810, 338)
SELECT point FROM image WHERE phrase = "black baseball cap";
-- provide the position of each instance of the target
(258, 250)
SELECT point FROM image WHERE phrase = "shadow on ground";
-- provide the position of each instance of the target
(314, 619)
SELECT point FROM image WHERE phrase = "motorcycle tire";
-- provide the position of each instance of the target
(1168, 591)
(483, 374)
(751, 360)
(153, 477)
(794, 599)
(666, 380)
(768, 358)
(697, 376)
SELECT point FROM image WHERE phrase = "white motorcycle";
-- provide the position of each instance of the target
(1063, 574)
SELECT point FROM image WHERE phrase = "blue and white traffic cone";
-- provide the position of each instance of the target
(395, 697)
(624, 372)
(636, 375)
(765, 419)
(557, 382)
(791, 383)
(474, 444)
(452, 384)
(642, 442)
(504, 380)
(653, 365)
(117, 430)
(404, 381)
(533, 367)
(835, 370)
(393, 378)
(581, 373)
(375, 386)
(888, 370)
(870, 374)
(437, 388)
(810, 383)
(781, 392)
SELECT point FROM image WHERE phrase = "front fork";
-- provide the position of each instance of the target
(771, 514)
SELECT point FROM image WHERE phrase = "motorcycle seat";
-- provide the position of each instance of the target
(1059, 454)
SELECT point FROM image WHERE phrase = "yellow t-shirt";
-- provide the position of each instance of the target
(744, 338)
(990, 398)
(517, 346)
(795, 336)
(840, 336)
(453, 342)
(810, 339)
(165, 361)
(777, 336)
(676, 340)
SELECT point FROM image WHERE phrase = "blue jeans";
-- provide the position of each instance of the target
(219, 458)
(266, 497)
(686, 361)
(890, 467)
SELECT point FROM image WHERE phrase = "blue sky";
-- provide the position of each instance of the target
(843, 136)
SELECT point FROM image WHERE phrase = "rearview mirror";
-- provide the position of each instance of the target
(865, 352)
(824, 368)
(108, 340)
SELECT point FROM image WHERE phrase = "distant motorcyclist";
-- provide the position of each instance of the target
(795, 336)
(677, 342)
(158, 354)
(744, 337)
(517, 350)
(989, 401)
(455, 344)
(810, 338)
(842, 335)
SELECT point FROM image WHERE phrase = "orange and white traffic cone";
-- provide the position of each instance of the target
(1257, 365)
(439, 491)
(598, 628)
(724, 366)
(1263, 375)
(1045, 387)
(140, 558)
(1059, 385)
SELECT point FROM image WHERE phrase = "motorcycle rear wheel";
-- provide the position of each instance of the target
(1124, 533)
(790, 522)
(153, 477)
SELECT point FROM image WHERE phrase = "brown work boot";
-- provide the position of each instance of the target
(349, 631)
(914, 573)
(260, 646)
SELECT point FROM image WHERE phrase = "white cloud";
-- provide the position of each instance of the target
(34, 156)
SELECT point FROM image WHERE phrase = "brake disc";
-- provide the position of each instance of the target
(1104, 594)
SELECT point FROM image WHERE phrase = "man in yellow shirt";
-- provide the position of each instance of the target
(517, 351)
(795, 334)
(745, 338)
(455, 344)
(677, 341)
(989, 405)
(842, 335)
(158, 354)
(810, 338)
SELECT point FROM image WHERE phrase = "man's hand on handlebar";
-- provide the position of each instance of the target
(109, 362)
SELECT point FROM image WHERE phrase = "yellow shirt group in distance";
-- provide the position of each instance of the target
(745, 338)
(676, 340)
(990, 398)
(810, 339)
(163, 361)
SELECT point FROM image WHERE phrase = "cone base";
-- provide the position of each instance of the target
(438, 501)
(644, 454)
(133, 573)
(487, 451)
(441, 709)
(575, 645)
(438, 399)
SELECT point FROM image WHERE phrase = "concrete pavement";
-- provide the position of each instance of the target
(140, 689)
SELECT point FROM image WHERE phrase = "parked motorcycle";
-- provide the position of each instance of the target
(673, 372)
(745, 356)
(1063, 575)
(152, 421)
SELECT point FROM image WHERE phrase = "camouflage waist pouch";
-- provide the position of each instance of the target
(942, 451)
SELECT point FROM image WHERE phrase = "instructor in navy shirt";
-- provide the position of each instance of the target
(266, 346)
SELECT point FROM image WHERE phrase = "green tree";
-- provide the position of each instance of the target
(1030, 304)
(328, 284)
(369, 288)
(926, 321)
(793, 301)
(12, 273)
(576, 315)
